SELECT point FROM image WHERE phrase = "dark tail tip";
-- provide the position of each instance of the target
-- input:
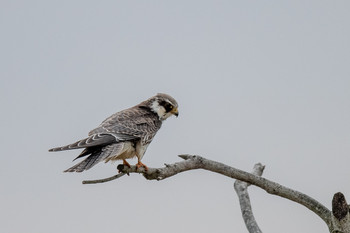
(58, 149)
(54, 149)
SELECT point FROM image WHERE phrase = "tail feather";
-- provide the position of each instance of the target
(98, 155)
(86, 164)
(93, 140)
(85, 152)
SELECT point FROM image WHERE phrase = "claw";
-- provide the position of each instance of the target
(139, 164)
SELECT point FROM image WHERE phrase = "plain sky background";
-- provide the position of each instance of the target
(256, 81)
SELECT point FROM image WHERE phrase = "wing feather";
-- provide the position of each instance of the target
(132, 123)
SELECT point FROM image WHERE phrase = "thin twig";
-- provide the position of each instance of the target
(103, 180)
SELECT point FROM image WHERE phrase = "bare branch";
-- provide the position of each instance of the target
(244, 200)
(103, 180)
(197, 162)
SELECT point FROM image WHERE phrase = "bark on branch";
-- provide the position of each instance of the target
(192, 162)
(341, 216)
(241, 189)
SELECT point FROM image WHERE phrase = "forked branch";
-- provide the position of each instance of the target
(241, 189)
(192, 162)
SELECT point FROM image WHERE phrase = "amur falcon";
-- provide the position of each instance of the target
(125, 134)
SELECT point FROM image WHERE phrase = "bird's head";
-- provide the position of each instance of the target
(163, 105)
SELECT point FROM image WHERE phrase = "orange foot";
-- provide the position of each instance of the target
(139, 164)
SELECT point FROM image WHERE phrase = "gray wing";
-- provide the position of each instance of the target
(132, 123)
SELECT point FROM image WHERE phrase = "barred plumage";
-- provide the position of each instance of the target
(125, 134)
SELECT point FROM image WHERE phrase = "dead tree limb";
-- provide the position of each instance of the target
(192, 162)
(241, 189)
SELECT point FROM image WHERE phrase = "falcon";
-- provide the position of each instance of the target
(125, 134)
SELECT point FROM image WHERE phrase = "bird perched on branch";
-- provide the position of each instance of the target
(125, 134)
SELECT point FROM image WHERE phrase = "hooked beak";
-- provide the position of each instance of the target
(175, 112)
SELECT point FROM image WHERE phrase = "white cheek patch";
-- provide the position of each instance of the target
(160, 110)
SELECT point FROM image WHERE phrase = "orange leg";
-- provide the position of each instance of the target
(139, 164)
(126, 163)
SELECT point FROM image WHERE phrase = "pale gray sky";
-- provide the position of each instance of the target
(256, 81)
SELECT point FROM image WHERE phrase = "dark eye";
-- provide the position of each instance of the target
(168, 107)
